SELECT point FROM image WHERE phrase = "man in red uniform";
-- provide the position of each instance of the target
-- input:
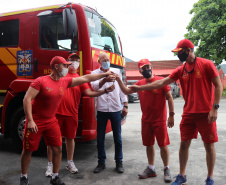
(67, 114)
(154, 115)
(197, 77)
(40, 105)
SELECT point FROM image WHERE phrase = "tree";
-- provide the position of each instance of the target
(207, 29)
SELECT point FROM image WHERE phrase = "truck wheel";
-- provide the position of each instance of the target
(18, 123)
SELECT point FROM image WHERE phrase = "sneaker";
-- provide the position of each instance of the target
(49, 171)
(56, 181)
(167, 176)
(180, 180)
(71, 167)
(24, 181)
(119, 167)
(100, 167)
(209, 181)
(148, 172)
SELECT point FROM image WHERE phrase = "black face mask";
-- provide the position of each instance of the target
(183, 56)
(147, 73)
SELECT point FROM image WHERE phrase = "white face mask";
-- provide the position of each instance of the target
(63, 72)
(75, 65)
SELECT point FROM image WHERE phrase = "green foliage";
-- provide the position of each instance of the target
(207, 29)
(224, 93)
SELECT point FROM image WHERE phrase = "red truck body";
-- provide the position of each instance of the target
(28, 42)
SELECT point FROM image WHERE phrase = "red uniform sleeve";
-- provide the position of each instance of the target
(37, 83)
(137, 83)
(211, 69)
(166, 88)
(84, 87)
(175, 75)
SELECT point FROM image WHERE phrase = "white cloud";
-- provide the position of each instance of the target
(147, 28)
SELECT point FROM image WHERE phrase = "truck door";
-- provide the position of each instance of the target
(11, 41)
(49, 41)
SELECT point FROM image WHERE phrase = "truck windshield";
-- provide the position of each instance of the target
(51, 33)
(102, 34)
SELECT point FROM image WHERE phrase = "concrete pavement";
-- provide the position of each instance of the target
(135, 160)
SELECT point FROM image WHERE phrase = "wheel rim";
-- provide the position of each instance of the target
(21, 126)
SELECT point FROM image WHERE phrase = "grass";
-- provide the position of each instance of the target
(224, 93)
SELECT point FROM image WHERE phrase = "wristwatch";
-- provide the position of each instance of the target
(216, 106)
(125, 106)
(171, 113)
(105, 90)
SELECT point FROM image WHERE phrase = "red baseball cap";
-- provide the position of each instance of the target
(73, 54)
(143, 62)
(58, 60)
(185, 43)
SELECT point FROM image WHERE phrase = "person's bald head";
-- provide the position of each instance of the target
(103, 56)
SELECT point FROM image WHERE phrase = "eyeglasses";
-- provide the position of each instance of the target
(105, 60)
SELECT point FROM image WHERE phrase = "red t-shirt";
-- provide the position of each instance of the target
(70, 102)
(45, 104)
(153, 102)
(197, 87)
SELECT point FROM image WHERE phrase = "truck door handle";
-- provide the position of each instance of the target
(36, 64)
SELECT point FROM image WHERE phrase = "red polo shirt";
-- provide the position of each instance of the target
(197, 86)
(153, 102)
(71, 99)
(45, 104)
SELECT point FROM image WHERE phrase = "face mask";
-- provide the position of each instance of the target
(147, 73)
(75, 65)
(183, 56)
(63, 72)
(105, 65)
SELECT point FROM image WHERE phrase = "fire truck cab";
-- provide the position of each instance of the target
(29, 39)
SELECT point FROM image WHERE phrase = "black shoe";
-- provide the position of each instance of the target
(56, 181)
(119, 167)
(100, 167)
(24, 181)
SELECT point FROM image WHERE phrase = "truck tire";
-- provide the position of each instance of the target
(18, 124)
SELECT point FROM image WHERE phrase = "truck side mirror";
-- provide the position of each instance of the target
(69, 22)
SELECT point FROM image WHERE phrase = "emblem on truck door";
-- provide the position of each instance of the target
(24, 63)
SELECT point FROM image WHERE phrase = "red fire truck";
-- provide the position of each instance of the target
(29, 39)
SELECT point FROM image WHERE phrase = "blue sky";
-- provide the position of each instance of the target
(147, 28)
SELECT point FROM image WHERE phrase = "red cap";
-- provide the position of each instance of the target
(58, 60)
(73, 54)
(143, 62)
(185, 43)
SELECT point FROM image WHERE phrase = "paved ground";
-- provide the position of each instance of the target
(134, 157)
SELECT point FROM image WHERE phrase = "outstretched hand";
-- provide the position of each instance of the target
(134, 88)
(110, 78)
(110, 88)
(117, 77)
(109, 73)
